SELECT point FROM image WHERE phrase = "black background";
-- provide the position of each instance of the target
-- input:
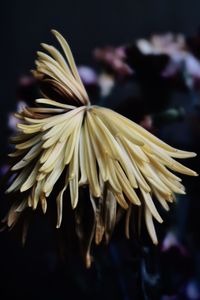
(86, 24)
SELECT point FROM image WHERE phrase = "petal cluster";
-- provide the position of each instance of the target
(121, 163)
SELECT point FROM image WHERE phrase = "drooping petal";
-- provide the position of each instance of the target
(122, 164)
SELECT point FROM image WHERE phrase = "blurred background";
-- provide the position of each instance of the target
(141, 58)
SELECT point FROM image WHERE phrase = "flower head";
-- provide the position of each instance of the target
(121, 163)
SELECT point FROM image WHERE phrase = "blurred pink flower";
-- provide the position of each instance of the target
(114, 58)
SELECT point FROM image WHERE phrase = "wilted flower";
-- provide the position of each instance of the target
(121, 163)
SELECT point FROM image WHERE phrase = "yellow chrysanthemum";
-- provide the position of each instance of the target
(118, 160)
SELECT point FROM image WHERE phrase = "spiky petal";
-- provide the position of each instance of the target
(121, 163)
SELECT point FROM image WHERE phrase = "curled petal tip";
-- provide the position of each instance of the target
(54, 31)
(138, 203)
(193, 154)
(74, 205)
